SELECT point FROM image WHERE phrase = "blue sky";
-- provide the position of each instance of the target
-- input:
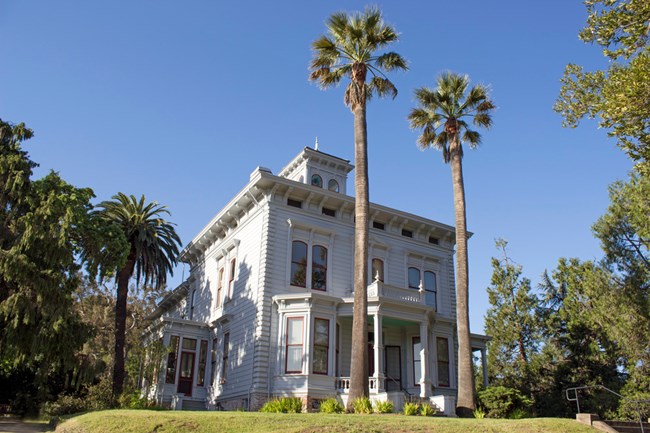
(180, 101)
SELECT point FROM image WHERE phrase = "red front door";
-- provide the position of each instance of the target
(186, 375)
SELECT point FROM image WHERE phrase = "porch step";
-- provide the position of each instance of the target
(194, 404)
(628, 426)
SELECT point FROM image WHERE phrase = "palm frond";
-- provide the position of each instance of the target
(391, 61)
(483, 119)
(473, 138)
(382, 87)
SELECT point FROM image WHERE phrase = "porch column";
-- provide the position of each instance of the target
(484, 367)
(424, 359)
(379, 352)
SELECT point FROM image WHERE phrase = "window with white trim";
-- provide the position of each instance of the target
(377, 270)
(428, 283)
(442, 346)
(320, 353)
(302, 267)
(294, 345)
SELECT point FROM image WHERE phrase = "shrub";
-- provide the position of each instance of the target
(100, 395)
(283, 405)
(331, 405)
(411, 408)
(134, 400)
(479, 413)
(499, 401)
(65, 405)
(518, 413)
(362, 405)
(427, 410)
(384, 406)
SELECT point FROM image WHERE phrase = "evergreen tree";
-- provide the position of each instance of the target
(511, 322)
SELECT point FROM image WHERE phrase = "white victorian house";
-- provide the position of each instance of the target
(267, 308)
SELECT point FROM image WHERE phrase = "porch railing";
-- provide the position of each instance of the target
(375, 384)
(377, 288)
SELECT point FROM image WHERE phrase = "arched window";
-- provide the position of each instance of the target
(377, 270)
(333, 185)
(319, 268)
(220, 286)
(316, 180)
(299, 264)
(414, 278)
(430, 290)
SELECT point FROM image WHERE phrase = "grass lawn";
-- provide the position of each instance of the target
(144, 421)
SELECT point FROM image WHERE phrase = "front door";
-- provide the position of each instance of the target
(393, 367)
(186, 375)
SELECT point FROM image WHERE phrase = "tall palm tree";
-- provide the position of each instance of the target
(442, 114)
(350, 50)
(153, 250)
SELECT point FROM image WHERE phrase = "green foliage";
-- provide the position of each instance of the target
(411, 409)
(283, 405)
(518, 413)
(500, 402)
(134, 400)
(427, 410)
(479, 413)
(619, 94)
(511, 322)
(362, 405)
(384, 406)
(350, 50)
(331, 405)
(65, 405)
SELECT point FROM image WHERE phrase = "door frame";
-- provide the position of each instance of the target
(180, 373)
(399, 358)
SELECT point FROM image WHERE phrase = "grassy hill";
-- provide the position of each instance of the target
(143, 421)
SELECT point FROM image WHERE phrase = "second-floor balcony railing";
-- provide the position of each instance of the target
(377, 288)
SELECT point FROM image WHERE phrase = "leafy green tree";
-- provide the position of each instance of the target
(44, 225)
(350, 50)
(624, 233)
(577, 350)
(153, 247)
(511, 322)
(618, 95)
(442, 114)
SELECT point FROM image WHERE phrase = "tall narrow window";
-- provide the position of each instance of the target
(338, 346)
(294, 345)
(417, 362)
(192, 298)
(220, 286)
(224, 357)
(321, 345)
(443, 361)
(213, 362)
(414, 278)
(319, 268)
(333, 185)
(231, 282)
(299, 264)
(377, 270)
(203, 358)
(316, 180)
(172, 357)
(430, 291)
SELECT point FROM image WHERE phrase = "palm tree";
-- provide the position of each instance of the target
(350, 50)
(153, 249)
(441, 115)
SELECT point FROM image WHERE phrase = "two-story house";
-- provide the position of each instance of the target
(267, 308)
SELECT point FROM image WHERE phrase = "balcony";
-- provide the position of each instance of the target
(379, 289)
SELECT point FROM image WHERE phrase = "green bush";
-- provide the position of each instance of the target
(331, 405)
(518, 413)
(283, 405)
(500, 402)
(384, 406)
(427, 410)
(362, 405)
(411, 409)
(479, 413)
(134, 400)
(100, 395)
(65, 405)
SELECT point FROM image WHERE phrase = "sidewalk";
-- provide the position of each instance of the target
(16, 425)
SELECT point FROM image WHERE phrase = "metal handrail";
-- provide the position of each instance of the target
(577, 400)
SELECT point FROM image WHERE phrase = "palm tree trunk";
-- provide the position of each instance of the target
(466, 398)
(359, 359)
(123, 278)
